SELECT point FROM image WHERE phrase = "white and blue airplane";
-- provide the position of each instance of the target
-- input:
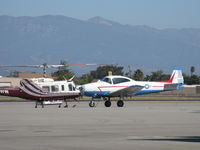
(120, 86)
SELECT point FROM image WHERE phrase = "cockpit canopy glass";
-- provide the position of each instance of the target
(115, 80)
(108, 80)
(120, 80)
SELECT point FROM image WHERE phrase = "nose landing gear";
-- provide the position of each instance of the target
(92, 103)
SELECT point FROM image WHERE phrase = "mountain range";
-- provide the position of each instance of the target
(49, 39)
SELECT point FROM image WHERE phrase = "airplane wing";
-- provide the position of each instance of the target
(129, 91)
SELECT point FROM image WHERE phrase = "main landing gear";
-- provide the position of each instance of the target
(107, 103)
(120, 103)
(39, 103)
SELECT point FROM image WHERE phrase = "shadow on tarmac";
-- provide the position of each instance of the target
(195, 139)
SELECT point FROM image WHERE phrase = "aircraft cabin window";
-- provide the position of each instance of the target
(70, 87)
(46, 88)
(54, 88)
(62, 87)
(108, 80)
(120, 80)
(74, 88)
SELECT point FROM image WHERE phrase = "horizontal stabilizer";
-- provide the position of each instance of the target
(169, 87)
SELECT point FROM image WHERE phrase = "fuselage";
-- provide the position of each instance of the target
(111, 84)
(42, 89)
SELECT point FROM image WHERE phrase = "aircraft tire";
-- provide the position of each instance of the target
(120, 103)
(42, 103)
(92, 104)
(107, 103)
(36, 104)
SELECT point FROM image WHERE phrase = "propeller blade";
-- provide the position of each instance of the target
(71, 65)
(51, 66)
(24, 66)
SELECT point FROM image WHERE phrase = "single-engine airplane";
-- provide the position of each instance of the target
(120, 86)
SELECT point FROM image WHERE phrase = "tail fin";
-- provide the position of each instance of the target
(177, 76)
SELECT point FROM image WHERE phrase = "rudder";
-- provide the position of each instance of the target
(177, 76)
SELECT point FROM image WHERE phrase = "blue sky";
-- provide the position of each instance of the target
(154, 13)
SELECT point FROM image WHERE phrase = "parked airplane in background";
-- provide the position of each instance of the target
(120, 86)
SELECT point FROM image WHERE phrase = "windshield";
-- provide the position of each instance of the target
(108, 80)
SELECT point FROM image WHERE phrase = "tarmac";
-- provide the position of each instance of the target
(140, 125)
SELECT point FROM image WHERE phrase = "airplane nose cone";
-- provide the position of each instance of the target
(82, 89)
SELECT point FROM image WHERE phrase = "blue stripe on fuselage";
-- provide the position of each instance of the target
(141, 92)
(96, 93)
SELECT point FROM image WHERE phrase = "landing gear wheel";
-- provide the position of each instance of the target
(59, 106)
(36, 103)
(42, 103)
(92, 104)
(120, 103)
(66, 105)
(107, 103)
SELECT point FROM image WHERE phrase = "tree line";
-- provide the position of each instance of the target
(138, 75)
(64, 73)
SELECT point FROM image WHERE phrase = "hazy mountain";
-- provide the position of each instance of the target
(36, 40)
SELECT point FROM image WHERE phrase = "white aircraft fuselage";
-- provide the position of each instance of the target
(120, 86)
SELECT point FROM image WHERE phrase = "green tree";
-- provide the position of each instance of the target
(86, 78)
(138, 75)
(63, 72)
(158, 76)
(192, 70)
(14, 74)
(102, 71)
(186, 79)
(193, 79)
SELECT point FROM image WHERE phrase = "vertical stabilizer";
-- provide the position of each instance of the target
(177, 76)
